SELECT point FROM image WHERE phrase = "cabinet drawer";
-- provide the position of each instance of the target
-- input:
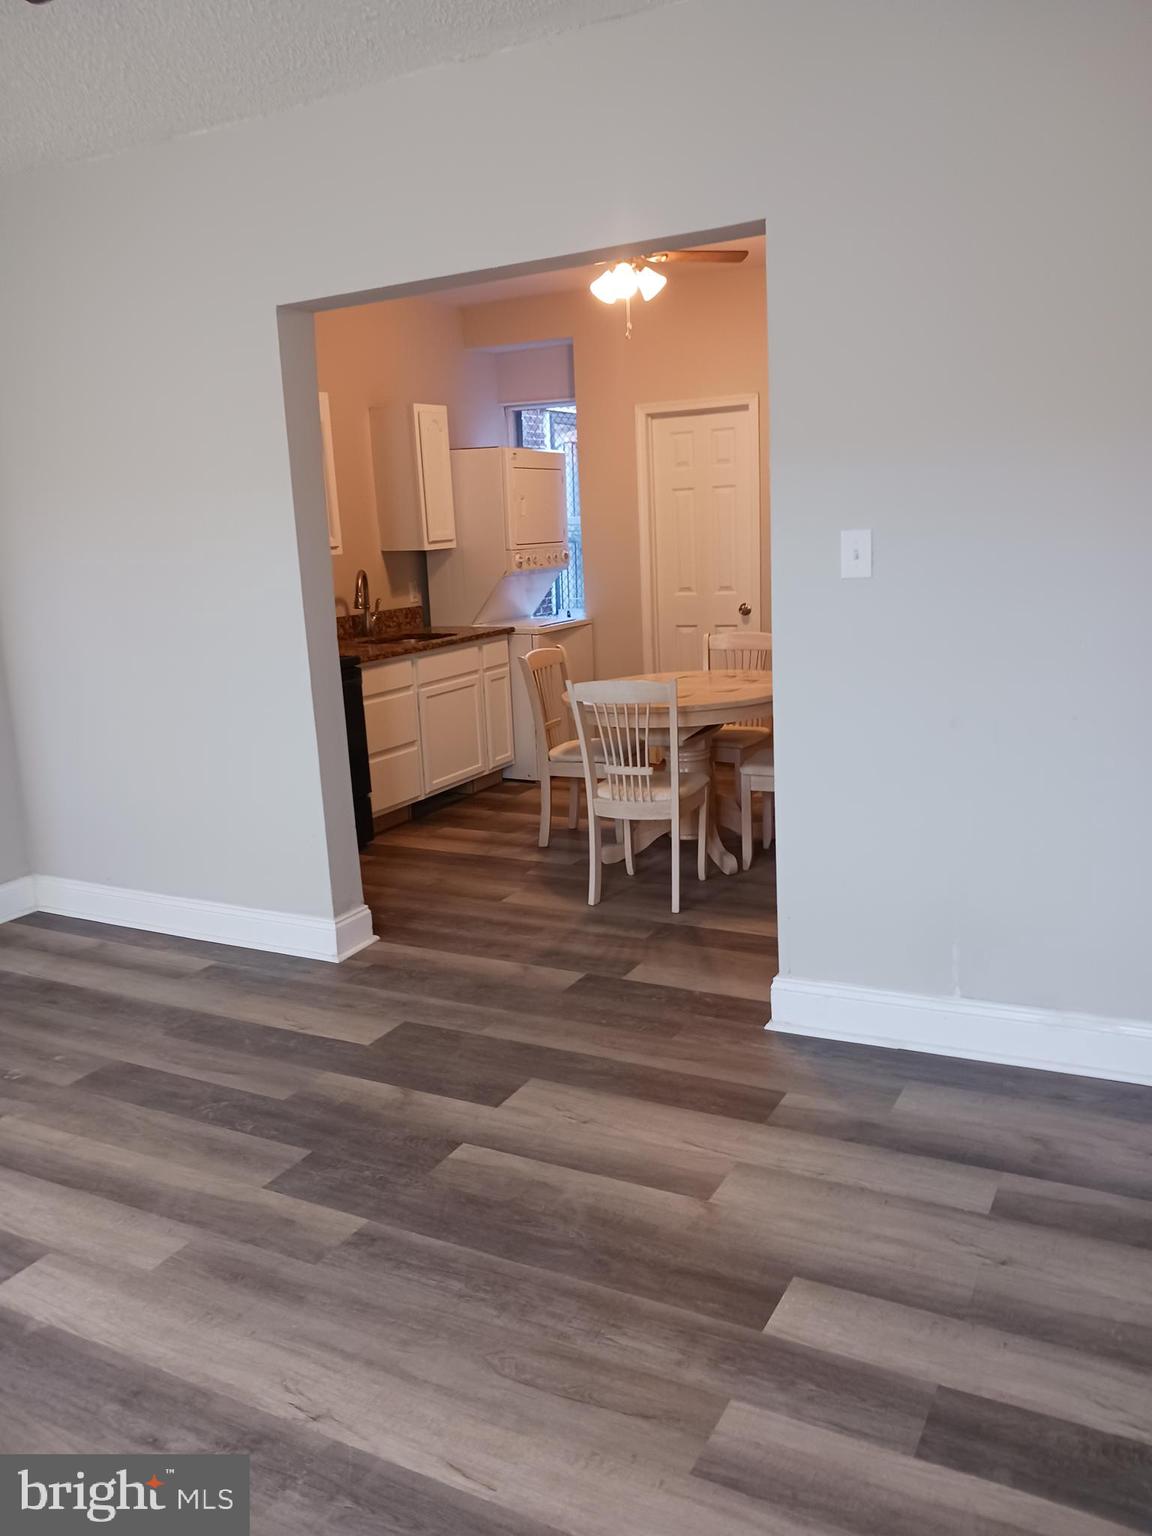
(450, 663)
(397, 778)
(391, 719)
(386, 676)
(494, 653)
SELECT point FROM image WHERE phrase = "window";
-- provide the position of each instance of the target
(553, 427)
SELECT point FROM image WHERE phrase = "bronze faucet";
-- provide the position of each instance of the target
(361, 602)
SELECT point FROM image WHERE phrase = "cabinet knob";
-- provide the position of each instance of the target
(745, 611)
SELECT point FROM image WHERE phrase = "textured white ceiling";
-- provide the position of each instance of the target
(89, 77)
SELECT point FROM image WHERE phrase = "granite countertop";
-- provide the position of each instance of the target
(403, 632)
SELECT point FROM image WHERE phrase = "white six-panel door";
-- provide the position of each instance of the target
(702, 477)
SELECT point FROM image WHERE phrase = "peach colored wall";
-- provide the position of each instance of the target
(705, 335)
(404, 349)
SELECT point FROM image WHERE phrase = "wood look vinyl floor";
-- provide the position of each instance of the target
(519, 1224)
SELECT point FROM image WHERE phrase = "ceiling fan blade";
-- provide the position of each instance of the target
(721, 256)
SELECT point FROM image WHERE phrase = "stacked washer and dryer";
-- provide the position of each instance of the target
(511, 544)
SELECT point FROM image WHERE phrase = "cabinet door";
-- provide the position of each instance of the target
(452, 731)
(498, 716)
(435, 470)
(539, 507)
(392, 726)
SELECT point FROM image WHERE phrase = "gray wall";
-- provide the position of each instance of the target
(13, 847)
(959, 237)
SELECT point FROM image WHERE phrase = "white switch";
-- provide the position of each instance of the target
(856, 552)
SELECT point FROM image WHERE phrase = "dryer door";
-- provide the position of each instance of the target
(537, 506)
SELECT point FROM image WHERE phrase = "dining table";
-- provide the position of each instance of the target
(705, 701)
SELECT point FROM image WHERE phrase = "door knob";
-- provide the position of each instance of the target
(745, 611)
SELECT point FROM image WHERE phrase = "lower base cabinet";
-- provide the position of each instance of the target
(452, 731)
(496, 668)
(392, 725)
(498, 716)
(436, 720)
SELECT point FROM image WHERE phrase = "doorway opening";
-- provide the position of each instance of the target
(509, 467)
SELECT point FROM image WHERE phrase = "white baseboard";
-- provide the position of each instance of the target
(353, 933)
(283, 933)
(17, 897)
(1088, 1045)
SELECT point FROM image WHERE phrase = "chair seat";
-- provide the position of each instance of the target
(659, 790)
(758, 770)
(564, 751)
(565, 761)
(733, 743)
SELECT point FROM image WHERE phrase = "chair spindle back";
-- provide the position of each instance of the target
(738, 650)
(545, 673)
(618, 716)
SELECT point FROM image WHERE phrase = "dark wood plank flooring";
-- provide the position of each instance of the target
(519, 1223)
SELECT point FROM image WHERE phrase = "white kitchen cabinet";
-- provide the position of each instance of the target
(437, 720)
(497, 703)
(392, 724)
(412, 471)
(452, 733)
(498, 717)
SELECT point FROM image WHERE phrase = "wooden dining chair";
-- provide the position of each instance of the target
(757, 775)
(624, 783)
(545, 672)
(739, 650)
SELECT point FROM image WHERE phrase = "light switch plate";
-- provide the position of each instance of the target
(856, 552)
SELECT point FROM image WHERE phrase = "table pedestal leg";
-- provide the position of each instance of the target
(726, 862)
(727, 813)
(696, 756)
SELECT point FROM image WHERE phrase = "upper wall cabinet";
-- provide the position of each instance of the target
(413, 475)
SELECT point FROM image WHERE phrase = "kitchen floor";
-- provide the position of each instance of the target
(493, 892)
(520, 1224)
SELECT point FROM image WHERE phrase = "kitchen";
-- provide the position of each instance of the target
(468, 528)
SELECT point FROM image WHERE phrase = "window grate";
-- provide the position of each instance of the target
(553, 428)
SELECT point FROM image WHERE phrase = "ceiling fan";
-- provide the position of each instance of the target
(730, 258)
(638, 275)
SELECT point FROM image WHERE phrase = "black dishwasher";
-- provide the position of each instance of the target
(357, 748)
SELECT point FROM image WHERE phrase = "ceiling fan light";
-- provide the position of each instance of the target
(626, 280)
(604, 287)
(618, 282)
(650, 282)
